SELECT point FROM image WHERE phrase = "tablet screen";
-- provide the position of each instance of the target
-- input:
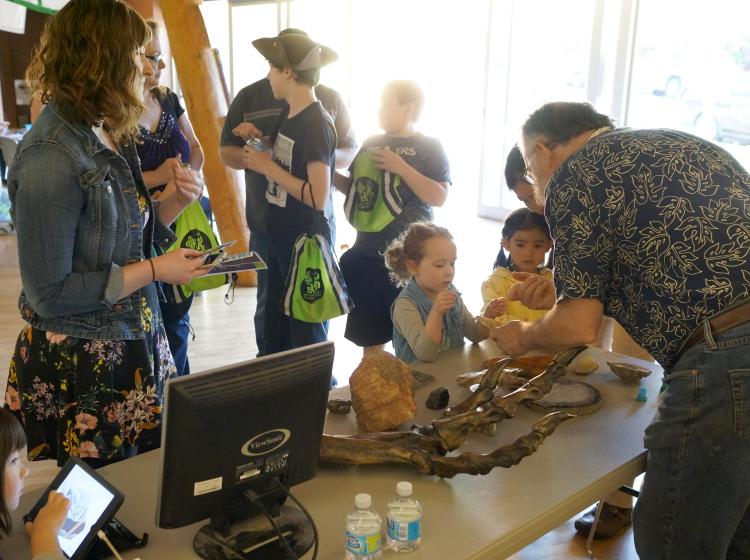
(93, 501)
(88, 502)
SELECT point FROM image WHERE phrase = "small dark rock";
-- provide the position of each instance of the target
(438, 399)
(339, 406)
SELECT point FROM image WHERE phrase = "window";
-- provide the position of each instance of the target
(532, 59)
(691, 71)
(486, 64)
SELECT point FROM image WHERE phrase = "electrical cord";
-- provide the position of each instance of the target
(103, 537)
(256, 500)
(303, 510)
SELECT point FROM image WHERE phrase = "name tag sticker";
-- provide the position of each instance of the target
(207, 486)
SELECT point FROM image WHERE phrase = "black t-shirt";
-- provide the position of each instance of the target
(256, 103)
(306, 137)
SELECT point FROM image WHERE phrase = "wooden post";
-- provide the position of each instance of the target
(207, 107)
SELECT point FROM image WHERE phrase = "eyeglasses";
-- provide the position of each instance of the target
(154, 59)
(527, 164)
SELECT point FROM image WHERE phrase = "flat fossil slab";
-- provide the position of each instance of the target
(571, 396)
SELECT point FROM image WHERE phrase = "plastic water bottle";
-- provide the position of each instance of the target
(255, 143)
(404, 520)
(363, 541)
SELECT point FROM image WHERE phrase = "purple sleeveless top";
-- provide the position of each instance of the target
(167, 140)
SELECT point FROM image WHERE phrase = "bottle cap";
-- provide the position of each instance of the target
(404, 488)
(642, 395)
(362, 501)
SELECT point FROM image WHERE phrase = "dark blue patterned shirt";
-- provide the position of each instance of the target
(656, 225)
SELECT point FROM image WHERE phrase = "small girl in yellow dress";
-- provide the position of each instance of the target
(526, 238)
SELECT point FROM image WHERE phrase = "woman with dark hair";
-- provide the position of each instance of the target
(87, 375)
(167, 142)
(43, 531)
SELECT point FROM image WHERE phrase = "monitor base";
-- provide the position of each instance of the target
(253, 538)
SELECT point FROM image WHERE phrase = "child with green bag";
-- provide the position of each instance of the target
(396, 179)
(299, 180)
(167, 142)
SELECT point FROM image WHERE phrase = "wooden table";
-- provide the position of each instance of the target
(474, 517)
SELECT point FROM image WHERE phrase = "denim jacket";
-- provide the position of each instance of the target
(75, 206)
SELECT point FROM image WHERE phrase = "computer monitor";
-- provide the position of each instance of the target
(237, 429)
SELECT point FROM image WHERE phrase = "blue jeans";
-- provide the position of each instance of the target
(280, 331)
(261, 244)
(177, 326)
(695, 499)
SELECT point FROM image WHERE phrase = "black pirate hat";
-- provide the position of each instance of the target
(295, 51)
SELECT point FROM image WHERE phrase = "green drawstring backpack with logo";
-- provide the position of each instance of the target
(315, 290)
(373, 201)
(193, 231)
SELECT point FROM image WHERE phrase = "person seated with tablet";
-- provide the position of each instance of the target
(43, 531)
(92, 504)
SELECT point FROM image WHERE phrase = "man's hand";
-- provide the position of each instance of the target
(246, 130)
(496, 307)
(510, 338)
(256, 161)
(390, 161)
(533, 290)
(444, 302)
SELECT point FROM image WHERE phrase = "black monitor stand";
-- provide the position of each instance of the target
(252, 537)
(121, 538)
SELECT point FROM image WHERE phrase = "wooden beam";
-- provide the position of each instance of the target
(206, 105)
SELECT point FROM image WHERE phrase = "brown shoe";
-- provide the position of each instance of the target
(611, 520)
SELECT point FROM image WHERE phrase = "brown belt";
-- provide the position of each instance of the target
(724, 321)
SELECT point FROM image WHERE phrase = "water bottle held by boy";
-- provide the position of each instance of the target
(404, 520)
(363, 541)
(255, 143)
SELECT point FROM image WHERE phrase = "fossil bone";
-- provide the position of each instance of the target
(425, 447)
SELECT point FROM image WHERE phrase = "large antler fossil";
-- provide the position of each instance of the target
(425, 447)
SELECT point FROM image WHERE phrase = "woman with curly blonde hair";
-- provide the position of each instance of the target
(88, 371)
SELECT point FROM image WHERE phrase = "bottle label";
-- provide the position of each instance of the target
(404, 531)
(362, 545)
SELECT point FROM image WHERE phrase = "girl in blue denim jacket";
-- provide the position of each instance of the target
(87, 374)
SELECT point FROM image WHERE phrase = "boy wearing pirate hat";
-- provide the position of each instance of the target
(299, 172)
(255, 112)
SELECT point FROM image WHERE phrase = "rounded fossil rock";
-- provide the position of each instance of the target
(382, 392)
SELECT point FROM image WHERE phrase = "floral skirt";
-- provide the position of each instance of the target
(100, 400)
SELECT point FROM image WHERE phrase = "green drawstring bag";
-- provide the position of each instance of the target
(373, 201)
(193, 231)
(315, 290)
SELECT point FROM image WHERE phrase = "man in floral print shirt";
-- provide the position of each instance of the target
(652, 227)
